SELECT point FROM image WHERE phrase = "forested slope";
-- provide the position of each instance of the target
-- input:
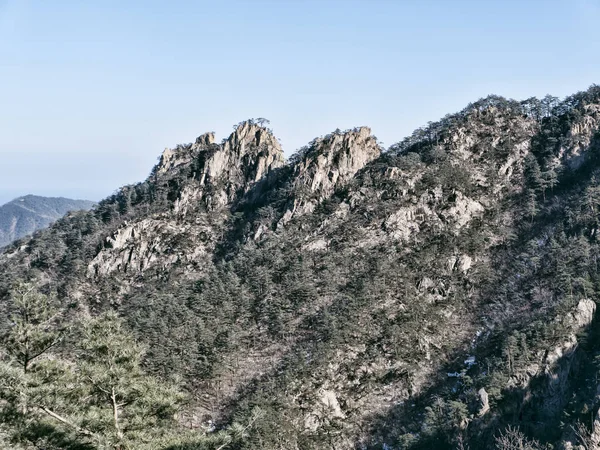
(438, 294)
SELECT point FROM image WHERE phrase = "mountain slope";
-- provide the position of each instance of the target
(24, 215)
(440, 294)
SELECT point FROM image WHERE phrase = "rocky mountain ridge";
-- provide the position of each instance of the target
(439, 292)
(223, 176)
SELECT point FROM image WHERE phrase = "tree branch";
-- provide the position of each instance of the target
(254, 419)
(97, 386)
(65, 421)
(32, 357)
(115, 405)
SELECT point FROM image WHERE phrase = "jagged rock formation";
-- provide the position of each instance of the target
(223, 172)
(327, 163)
(484, 406)
(579, 137)
(220, 176)
(434, 293)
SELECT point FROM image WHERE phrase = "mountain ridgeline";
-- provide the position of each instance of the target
(25, 215)
(440, 294)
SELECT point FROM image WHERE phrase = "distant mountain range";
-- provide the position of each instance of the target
(25, 215)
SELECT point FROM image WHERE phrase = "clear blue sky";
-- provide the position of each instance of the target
(92, 92)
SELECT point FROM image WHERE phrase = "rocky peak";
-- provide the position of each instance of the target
(206, 139)
(250, 134)
(249, 153)
(183, 154)
(172, 158)
(335, 159)
(327, 163)
(223, 172)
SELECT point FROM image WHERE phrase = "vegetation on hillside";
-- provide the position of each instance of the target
(442, 298)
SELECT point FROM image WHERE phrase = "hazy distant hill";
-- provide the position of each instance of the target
(24, 215)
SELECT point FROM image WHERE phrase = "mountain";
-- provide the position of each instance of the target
(439, 294)
(25, 215)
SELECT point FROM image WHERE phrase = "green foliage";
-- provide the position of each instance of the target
(96, 395)
(33, 325)
(443, 421)
(124, 403)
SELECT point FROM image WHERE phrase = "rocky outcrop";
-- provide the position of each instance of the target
(150, 244)
(327, 163)
(456, 212)
(577, 143)
(484, 402)
(584, 313)
(182, 154)
(221, 173)
(576, 320)
(243, 159)
(218, 176)
(327, 409)
(460, 263)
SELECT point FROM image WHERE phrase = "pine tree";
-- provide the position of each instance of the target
(118, 403)
(100, 398)
(533, 173)
(33, 330)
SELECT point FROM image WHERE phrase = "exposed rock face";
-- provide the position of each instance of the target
(462, 209)
(584, 314)
(484, 403)
(329, 162)
(226, 171)
(578, 140)
(205, 139)
(329, 399)
(403, 223)
(325, 410)
(148, 244)
(460, 263)
(222, 174)
(335, 159)
(578, 319)
(182, 154)
(407, 221)
(246, 157)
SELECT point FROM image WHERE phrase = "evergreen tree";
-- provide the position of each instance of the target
(33, 329)
(123, 405)
(100, 398)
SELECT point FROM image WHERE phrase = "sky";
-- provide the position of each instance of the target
(92, 92)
